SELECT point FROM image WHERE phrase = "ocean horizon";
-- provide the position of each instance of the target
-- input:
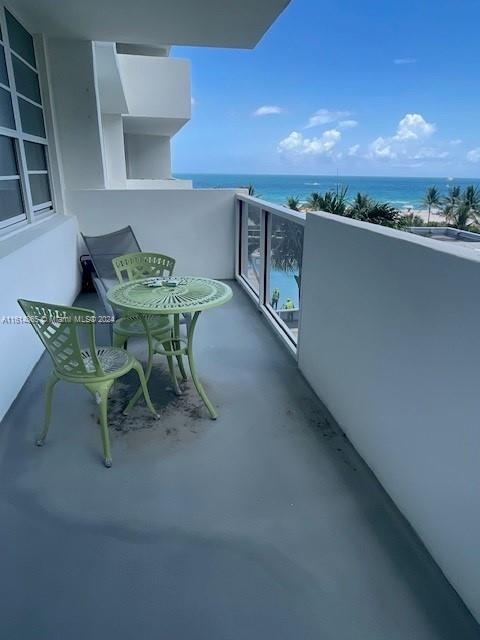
(401, 192)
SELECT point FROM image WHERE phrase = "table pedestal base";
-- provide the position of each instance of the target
(176, 348)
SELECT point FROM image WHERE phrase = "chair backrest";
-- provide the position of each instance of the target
(103, 249)
(59, 329)
(134, 266)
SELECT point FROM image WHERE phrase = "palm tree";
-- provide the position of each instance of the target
(465, 208)
(293, 202)
(431, 199)
(314, 201)
(450, 202)
(287, 248)
(368, 210)
(385, 214)
(471, 197)
(330, 201)
(252, 192)
(360, 206)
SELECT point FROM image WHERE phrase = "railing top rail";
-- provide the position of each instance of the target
(277, 209)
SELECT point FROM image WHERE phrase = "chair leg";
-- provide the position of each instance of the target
(119, 340)
(181, 367)
(138, 368)
(52, 381)
(101, 395)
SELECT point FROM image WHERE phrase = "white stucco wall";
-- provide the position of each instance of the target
(114, 148)
(73, 87)
(38, 263)
(390, 341)
(195, 226)
(148, 157)
(157, 87)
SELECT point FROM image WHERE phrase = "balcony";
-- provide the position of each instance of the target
(157, 91)
(264, 524)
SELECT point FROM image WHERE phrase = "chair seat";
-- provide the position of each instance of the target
(111, 359)
(134, 326)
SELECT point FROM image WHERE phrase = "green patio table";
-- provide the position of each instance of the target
(192, 295)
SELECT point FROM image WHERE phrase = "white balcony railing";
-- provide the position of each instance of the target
(269, 250)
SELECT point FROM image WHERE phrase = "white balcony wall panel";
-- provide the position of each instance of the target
(173, 183)
(156, 87)
(38, 263)
(113, 144)
(74, 91)
(148, 157)
(195, 226)
(390, 342)
(110, 88)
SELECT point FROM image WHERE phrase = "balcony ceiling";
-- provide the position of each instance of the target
(214, 23)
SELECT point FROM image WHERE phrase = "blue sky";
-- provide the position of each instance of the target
(365, 87)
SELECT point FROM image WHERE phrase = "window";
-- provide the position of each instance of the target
(25, 190)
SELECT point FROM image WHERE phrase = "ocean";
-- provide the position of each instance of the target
(400, 192)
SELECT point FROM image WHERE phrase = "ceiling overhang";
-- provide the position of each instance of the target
(212, 23)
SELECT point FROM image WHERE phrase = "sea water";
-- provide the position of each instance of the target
(400, 192)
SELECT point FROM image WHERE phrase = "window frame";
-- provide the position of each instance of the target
(32, 213)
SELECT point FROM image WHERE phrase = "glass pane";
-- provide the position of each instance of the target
(40, 188)
(250, 260)
(3, 68)
(285, 271)
(8, 160)
(20, 40)
(26, 80)
(6, 110)
(11, 203)
(32, 118)
(36, 159)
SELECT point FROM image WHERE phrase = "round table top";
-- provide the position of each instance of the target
(190, 295)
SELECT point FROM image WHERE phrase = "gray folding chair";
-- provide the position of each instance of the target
(102, 250)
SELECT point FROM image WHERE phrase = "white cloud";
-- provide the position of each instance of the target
(325, 116)
(407, 147)
(474, 155)
(404, 61)
(413, 126)
(430, 153)
(382, 148)
(456, 142)
(322, 145)
(353, 150)
(268, 110)
(347, 124)
(193, 101)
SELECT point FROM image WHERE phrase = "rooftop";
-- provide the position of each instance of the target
(263, 524)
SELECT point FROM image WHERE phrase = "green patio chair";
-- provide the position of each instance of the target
(60, 329)
(134, 266)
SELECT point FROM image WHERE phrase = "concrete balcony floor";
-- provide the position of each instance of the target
(263, 524)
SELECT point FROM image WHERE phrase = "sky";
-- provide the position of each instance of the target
(362, 87)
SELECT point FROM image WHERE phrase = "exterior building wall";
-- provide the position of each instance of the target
(114, 147)
(156, 87)
(148, 157)
(389, 340)
(195, 226)
(38, 263)
(75, 99)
